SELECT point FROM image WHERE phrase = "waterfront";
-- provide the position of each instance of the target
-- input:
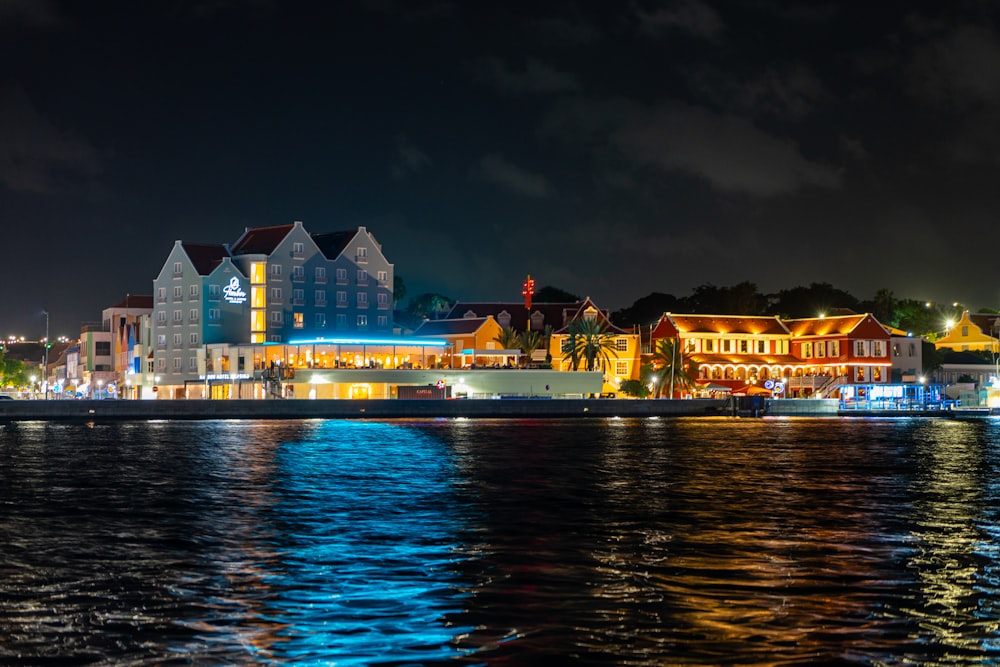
(602, 541)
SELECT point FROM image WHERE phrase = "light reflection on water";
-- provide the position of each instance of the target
(670, 541)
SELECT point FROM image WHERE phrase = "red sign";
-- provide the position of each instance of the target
(527, 290)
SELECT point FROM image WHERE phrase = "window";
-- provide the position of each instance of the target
(877, 374)
(161, 294)
(342, 299)
(820, 348)
(362, 321)
(274, 338)
(321, 274)
(161, 317)
(193, 291)
(193, 339)
(320, 320)
(833, 348)
(383, 321)
(362, 255)
(895, 350)
(965, 332)
(161, 342)
(341, 321)
(277, 317)
(744, 346)
(362, 299)
(621, 368)
(383, 300)
(709, 345)
(859, 348)
(213, 292)
(178, 317)
(177, 364)
(860, 375)
(298, 274)
(878, 348)
(214, 315)
(913, 349)
(178, 292)
(299, 297)
(178, 269)
(341, 276)
(726, 345)
(276, 270)
(807, 350)
(383, 277)
(193, 315)
(161, 364)
(298, 249)
(762, 347)
(275, 295)
(321, 297)
(193, 364)
(298, 320)
(177, 340)
(362, 277)
(621, 345)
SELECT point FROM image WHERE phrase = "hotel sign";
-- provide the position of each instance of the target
(225, 376)
(233, 293)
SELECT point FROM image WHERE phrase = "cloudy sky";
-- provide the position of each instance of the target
(611, 149)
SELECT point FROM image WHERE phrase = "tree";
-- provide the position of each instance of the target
(12, 372)
(531, 340)
(810, 301)
(549, 294)
(670, 368)
(591, 342)
(884, 307)
(634, 388)
(430, 305)
(647, 310)
(741, 299)
(398, 289)
(508, 339)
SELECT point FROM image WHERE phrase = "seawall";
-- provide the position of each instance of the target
(123, 410)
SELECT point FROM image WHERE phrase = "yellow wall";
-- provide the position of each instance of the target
(966, 336)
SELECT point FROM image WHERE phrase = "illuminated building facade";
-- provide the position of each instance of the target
(810, 356)
(274, 284)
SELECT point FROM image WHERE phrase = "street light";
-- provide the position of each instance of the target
(46, 378)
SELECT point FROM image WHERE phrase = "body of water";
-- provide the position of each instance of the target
(507, 542)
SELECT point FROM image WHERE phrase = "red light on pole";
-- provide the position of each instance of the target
(527, 290)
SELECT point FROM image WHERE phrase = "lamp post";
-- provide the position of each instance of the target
(45, 374)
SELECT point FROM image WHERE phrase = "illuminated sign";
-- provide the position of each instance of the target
(233, 293)
(225, 376)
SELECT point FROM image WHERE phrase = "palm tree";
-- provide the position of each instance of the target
(531, 340)
(589, 341)
(668, 361)
(508, 339)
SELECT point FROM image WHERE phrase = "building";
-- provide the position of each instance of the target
(808, 357)
(124, 322)
(274, 285)
(971, 333)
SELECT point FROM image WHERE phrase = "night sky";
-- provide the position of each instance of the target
(610, 149)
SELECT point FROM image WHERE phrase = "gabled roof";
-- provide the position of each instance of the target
(756, 325)
(205, 257)
(555, 314)
(462, 325)
(585, 305)
(261, 240)
(333, 244)
(861, 325)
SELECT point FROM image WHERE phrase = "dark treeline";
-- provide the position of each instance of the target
(916, 317)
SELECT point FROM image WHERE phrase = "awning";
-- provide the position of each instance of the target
(491, 352)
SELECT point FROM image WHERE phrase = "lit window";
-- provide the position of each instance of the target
(298, 320)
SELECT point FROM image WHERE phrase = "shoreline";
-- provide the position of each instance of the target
(513, 408)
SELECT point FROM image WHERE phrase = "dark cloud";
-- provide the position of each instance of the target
(535, 78)
(497, 170)
(35, 155)
(692, 16)
(39, 13)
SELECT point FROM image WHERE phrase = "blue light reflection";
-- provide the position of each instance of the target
(368, 547)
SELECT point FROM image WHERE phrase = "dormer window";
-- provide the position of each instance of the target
(503, 319)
